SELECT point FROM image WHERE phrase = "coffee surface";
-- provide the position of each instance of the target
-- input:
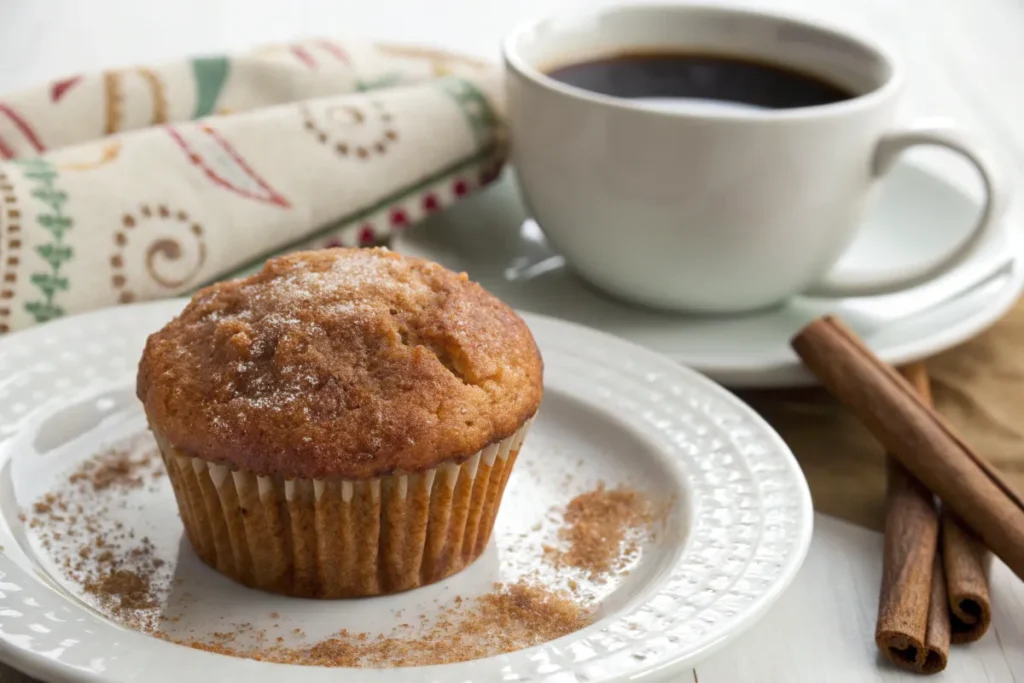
(714, 78)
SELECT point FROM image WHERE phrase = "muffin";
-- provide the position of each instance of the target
(341, 423)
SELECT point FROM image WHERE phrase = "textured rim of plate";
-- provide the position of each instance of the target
(720, 446)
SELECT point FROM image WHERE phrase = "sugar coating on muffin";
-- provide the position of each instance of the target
(346, 363)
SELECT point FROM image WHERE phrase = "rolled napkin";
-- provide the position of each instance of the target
(148, 182)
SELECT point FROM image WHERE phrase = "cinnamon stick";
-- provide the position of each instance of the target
(913, 627)
(966, 563)
(916, 435)
(937, 642)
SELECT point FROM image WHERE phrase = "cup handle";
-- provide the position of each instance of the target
(887, 151)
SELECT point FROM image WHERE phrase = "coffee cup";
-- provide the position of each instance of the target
(705, 158)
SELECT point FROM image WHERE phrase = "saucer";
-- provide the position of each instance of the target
(918, 217)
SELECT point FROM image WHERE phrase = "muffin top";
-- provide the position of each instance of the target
(350, 363)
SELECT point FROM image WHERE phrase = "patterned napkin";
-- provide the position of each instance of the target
(151, 181)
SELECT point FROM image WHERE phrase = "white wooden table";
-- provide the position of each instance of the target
(964, 61)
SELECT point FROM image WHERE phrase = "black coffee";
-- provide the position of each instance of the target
(700, 77)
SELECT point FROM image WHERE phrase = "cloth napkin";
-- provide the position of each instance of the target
(148, 182)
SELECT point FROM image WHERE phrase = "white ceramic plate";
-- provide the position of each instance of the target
(919, 216)
(730, 543)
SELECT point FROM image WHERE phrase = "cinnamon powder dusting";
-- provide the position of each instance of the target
(119, 571)
(509, 618)
(117, 467)
(129, 589)
(601, 530)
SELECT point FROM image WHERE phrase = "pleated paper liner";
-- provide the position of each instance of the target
(337, 538)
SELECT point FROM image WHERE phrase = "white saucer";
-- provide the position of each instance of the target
(918, 217)
(737, 526)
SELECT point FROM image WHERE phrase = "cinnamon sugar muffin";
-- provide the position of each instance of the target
(343, 422)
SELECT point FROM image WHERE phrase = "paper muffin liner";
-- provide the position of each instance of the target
(337, 538)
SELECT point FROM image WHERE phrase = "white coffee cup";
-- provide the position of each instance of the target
(715, 209)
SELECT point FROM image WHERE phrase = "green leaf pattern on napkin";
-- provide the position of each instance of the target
(474, 105)
(210, 74)
(55, 253)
